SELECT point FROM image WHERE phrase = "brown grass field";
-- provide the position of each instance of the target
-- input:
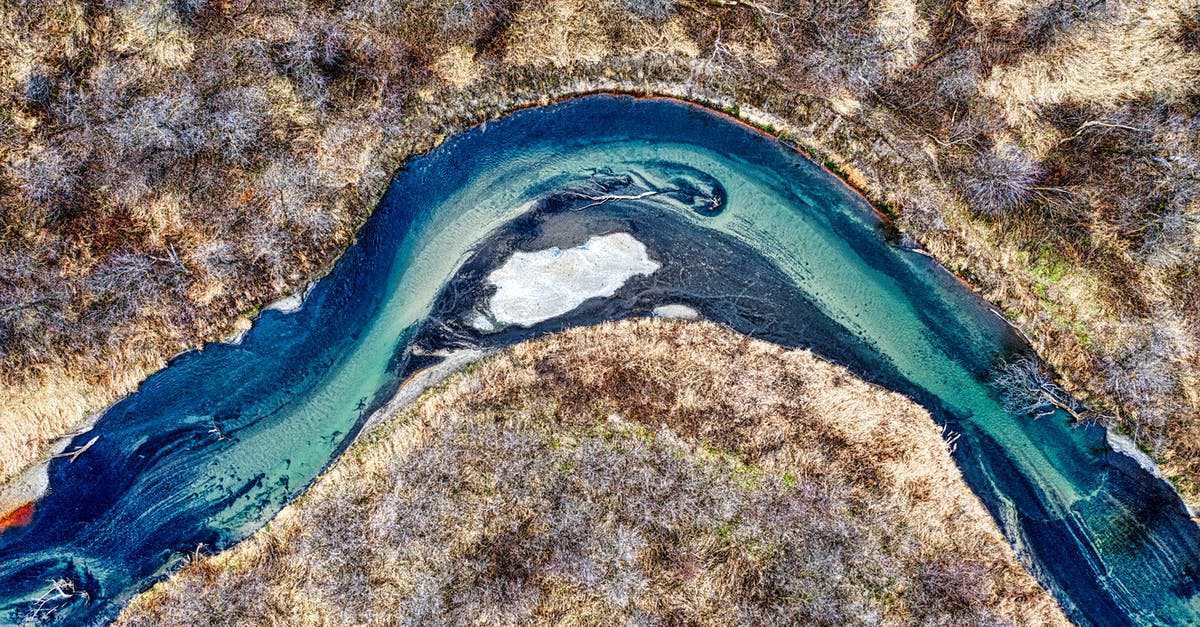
(643, 472)
(168, 167)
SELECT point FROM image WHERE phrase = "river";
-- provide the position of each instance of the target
(735, 225)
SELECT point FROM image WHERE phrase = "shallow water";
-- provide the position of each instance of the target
(747, 232)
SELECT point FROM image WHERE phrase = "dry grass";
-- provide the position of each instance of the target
(641, 471)
(167, 167)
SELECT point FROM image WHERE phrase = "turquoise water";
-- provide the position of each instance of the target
(748, 232)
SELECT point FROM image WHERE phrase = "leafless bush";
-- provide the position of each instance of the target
(216, 258)
(474, 15)
(1173, 238)
(1001, 179)
(305, 58)
(46, 174)
(826, 53)
(1169, 212)
(165, 127)
(1049, 23)
(1028, 390)
(653, 10)
(236, 118)
(922, 209)
(126, 275)
(1142, 370)
(153, 31)
(189, 10)
(37, 88)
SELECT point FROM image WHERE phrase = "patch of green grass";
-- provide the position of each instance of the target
(1050, 266)
(1079, 330)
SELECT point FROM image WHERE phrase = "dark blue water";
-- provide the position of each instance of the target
(747, 232)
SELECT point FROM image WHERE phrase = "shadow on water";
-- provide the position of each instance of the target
(747, 232)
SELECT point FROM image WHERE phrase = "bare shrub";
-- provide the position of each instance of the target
(46, 174)
(902, 32)
(921, 209)
(152, 30)
(37, 88)
(1001, 179)
(1173, 238)
(1097, 52)
(476, 15)
(165, 126)
(123, 282)
(1027, 389)
(653, 10)
(830, 49)
(1141, 367)
(236, 122)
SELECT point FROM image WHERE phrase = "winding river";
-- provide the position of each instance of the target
(719, 219)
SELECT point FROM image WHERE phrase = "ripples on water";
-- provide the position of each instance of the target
(746, 231)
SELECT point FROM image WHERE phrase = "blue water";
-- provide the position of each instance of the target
(747, 231)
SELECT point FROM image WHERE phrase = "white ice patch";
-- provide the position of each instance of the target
(1122, 444)
(287, 304)
(481, 323)
(291, 304)
(537, 286)
(675, 311)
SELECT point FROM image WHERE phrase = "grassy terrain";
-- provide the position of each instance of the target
(641, 471)
(167, 167)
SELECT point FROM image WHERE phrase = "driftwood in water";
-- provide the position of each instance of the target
(74, 455)
(1028, 388)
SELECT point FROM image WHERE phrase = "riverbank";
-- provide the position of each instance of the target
(120, 252)
(643, 468)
